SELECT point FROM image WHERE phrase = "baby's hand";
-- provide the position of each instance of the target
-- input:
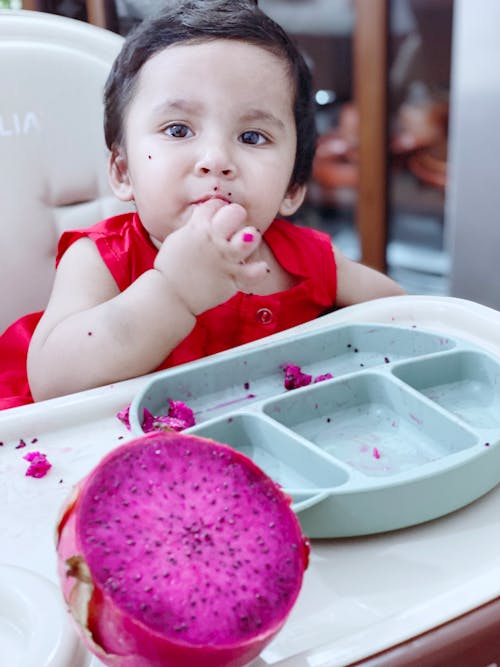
(204, 261)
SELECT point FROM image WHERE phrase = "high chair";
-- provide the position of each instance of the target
(52, 150)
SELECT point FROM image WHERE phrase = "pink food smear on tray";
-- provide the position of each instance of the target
(226, 404)
(321, 378)
(39, 465)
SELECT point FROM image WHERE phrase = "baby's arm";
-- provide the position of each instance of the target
(93, 334)
(357, 283)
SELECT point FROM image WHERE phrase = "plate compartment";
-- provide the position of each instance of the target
(405, 430)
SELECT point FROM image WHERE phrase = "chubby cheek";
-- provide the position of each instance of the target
(274, 176)
(147, 158)
(149, 171)
(261, 214)
(152, 165)
(266, 206)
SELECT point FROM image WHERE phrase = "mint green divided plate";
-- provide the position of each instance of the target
(406, 430)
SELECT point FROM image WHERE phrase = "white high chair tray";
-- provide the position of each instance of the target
(361, 595)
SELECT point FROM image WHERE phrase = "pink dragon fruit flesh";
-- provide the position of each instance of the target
(177, 551)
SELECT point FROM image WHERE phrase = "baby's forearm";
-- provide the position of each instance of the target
(126, 336)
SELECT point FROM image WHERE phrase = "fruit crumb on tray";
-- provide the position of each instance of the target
(294, 377)
(178, 417)
(39, 465)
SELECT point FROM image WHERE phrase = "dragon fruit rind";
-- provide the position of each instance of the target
(177, 551)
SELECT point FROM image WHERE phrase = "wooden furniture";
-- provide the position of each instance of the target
(101, 13)
(370, 71)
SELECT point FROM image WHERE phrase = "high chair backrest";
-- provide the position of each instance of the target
(52, 151)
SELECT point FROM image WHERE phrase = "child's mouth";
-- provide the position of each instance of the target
(225, 200)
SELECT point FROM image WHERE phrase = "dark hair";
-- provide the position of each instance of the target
(202, 20)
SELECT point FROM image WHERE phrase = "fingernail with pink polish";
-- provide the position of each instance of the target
(248, 237)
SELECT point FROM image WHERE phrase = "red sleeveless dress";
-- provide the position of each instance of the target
(127, 251)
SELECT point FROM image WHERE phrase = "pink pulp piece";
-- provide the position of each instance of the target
(123, 416)
(39, 466)
(179, 417)
(295, 378)
(248, 237)
(179, 410)
(177, 550)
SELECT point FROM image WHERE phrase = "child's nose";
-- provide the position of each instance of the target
(217, 161)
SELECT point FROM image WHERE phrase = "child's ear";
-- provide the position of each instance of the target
(292, 199)
(118, 176)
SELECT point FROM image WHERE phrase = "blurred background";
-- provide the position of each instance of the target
(400, 86)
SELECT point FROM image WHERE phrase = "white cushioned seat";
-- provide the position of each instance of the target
(52, 151)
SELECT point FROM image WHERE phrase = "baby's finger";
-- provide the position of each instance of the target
(228, 220)
(245, 241)
(207, 210)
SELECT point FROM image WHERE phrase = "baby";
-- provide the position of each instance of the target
(209, 119)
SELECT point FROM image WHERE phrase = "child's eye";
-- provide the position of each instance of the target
(179, 131)
(253, 137)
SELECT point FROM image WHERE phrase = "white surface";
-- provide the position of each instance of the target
(35, 629)
(360, 595)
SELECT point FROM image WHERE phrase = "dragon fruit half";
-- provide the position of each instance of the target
(179, 551)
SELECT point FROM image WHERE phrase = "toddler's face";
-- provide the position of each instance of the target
(210, 120)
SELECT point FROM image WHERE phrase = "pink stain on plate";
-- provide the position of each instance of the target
(376, 453)
(321, 378)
